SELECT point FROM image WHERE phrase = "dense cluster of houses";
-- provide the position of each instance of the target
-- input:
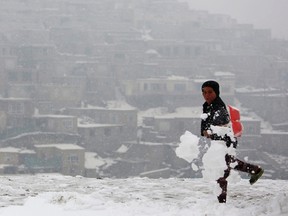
(106, 88)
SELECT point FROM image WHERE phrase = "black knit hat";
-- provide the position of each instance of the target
(213, 84)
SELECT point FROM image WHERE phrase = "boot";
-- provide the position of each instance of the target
(222, 197)
(255, 176)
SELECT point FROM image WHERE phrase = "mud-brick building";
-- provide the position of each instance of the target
(68, 159)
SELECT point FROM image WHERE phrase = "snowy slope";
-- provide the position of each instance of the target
(55, 195)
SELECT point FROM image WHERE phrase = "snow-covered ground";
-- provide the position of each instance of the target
(55, 195)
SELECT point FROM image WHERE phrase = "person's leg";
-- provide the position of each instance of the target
(223, 185)
(223, 182)
(254, 170)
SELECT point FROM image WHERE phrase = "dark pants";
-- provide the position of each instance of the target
(241, 166)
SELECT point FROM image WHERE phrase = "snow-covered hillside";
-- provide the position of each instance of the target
(55, 195)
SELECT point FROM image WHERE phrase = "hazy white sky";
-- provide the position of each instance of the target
(270, 14)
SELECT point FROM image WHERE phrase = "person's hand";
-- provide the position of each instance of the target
(207, 133)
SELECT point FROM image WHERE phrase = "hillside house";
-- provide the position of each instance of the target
(101, 138)
(55, 123)
(148, 159)
(126, 116)
(16, 113)
(169, 126)
(60, 95)
(269, 104)
(68, 159)
(12, 158)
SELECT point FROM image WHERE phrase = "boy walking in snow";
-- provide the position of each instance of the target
(217, 115)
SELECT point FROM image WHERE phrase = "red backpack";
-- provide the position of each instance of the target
(237, 126)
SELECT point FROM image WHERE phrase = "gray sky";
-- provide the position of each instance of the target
(270, 14)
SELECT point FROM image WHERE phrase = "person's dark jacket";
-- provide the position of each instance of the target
(217, 115)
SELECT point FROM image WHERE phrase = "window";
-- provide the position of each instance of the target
(119, 56)
(168, 51)
(107, 131)
(187, 51)
(27, 76)
(249, 129)
(12, 76)
(175, 51)
(68, 124)
(180, 87)
(197, 51)
(155, 86)
(164, 126)
(73, 159)
(16, 108)
(45, 51)
(7, 159)
(92, 133)
(3, 51)
(131, 119)
(181, 126)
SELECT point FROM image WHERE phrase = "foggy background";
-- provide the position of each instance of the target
(106, 88)
(262, 13)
